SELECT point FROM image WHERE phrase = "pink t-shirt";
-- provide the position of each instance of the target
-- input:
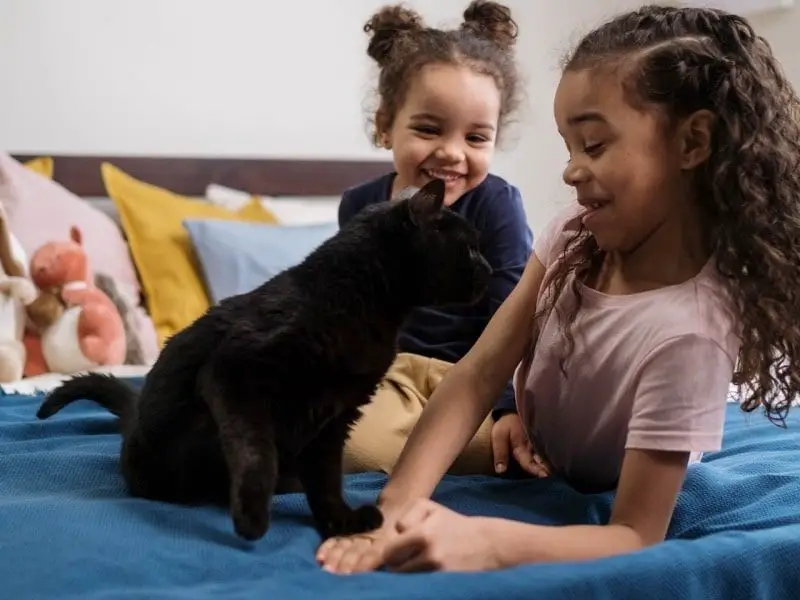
(650, 371)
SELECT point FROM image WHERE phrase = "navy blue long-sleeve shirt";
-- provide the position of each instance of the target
(495, 208)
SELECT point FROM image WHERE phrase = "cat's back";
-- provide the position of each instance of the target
(330, 312)
(182, 355)
(342, 279)
(318, 321)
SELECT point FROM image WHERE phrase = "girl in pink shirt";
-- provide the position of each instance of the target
(674, 274)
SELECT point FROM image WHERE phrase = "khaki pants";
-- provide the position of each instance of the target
(379, 436)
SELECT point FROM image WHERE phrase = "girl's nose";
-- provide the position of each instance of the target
(576, 174)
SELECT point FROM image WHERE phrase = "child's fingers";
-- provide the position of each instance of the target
(418, 512)
(351, 554)
(403, 551)
(529, 461)
(541, 466)
(500, 449)
(524, 456)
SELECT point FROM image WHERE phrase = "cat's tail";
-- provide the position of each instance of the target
(106, 390)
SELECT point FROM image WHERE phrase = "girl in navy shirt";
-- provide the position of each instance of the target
(444, 98)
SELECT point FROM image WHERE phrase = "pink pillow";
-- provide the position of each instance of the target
(40, 211)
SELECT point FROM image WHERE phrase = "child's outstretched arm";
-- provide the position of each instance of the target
(433, 537)
(465, 396)
(507, 246)
(648, 490)
(678, 408)
(453, 414)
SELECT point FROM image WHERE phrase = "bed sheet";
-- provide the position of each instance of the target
(68, 530)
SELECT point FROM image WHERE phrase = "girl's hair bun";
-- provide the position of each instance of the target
(388, 26)
(491, 21)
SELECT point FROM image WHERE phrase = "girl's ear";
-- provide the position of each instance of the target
(383, 136)
(696, 135)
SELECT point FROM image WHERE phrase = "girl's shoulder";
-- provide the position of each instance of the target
(363, 194)
(495, 208)
(370, 192)
(494, 188)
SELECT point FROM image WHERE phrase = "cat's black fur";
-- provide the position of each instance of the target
(269, 382)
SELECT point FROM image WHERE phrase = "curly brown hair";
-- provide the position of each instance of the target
(401, 44)
(681, 60)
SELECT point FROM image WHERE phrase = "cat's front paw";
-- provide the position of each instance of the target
(352, 521)
(365, 518)
(250, 508)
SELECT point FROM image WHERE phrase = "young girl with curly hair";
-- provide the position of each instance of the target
(444, 99)
(674, 274)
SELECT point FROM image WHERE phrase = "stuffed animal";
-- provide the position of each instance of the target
(42, 312)
(89, 332)
(134, 353)
(16, 293)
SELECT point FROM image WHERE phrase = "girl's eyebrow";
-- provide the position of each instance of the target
(426, 116)
(586, 116)
(482, 125)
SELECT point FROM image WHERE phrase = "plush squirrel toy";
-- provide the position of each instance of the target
(88, 331)
(16, 293)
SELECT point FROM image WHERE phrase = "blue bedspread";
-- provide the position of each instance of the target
(67, 529)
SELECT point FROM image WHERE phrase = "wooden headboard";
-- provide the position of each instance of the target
(189, 176)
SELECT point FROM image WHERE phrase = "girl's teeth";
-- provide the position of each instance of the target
(445, 176)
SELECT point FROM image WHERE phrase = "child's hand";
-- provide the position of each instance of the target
(356, 553)
(509, 439)
(431, 537)
(426, 537)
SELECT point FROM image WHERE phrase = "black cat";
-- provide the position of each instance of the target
(268, 383)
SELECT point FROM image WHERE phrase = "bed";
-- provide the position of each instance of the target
(68, 530)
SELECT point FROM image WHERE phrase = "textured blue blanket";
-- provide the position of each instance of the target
(67, 529)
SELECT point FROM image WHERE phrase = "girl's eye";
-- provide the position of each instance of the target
(426, 130)
(477, 139)
(593, 149)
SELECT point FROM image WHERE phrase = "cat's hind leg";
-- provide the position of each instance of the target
(247, 438)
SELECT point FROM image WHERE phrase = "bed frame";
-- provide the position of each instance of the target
(189, 176)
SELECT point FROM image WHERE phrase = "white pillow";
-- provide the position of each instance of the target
(289, 210)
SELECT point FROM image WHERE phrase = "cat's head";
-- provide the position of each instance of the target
(440, 249)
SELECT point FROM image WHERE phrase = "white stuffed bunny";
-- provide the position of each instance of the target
(16, 292)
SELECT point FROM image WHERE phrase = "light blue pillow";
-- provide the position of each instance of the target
(238, 256)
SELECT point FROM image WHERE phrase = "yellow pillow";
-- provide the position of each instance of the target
(43, 165)
(152, 219)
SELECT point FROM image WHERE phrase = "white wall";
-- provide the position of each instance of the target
(782, 30)
(211, 77)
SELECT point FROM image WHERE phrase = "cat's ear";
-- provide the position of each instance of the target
(427, 202)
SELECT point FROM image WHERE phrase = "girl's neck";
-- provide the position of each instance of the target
(672, 254)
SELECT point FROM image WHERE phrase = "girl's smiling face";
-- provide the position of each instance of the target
(625, 163)
(445, 129)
